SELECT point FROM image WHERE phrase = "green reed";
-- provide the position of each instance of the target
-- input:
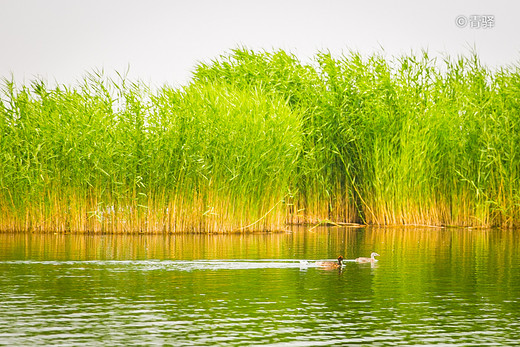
(259, 139)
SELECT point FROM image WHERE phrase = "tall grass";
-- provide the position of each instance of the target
(259, 139)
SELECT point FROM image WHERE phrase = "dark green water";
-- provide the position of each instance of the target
(430, 286)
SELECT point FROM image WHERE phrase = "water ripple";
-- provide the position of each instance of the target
(238, 302)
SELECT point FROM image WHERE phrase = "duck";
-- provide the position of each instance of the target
(368, 260)
(331, 264)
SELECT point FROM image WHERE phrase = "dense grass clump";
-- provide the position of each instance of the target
(259, 139)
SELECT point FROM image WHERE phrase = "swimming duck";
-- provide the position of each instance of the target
(368, 260)
(331, 264)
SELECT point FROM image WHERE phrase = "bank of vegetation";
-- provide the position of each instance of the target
(258, 140)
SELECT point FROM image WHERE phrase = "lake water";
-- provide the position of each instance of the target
(430, 286)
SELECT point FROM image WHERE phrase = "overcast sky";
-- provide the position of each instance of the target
(162, 40)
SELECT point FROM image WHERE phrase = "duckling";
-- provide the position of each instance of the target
(329, 265)
(368, 260)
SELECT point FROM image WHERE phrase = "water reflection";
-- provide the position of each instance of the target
(321, 243)
(429, 286)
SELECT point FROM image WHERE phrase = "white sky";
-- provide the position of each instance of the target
(161, 41)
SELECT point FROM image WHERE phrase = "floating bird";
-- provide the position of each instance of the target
(329, 265)
(368, 260)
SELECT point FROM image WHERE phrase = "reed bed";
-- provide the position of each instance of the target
(258, 140)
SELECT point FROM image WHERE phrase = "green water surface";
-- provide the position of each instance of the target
(430, 286)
